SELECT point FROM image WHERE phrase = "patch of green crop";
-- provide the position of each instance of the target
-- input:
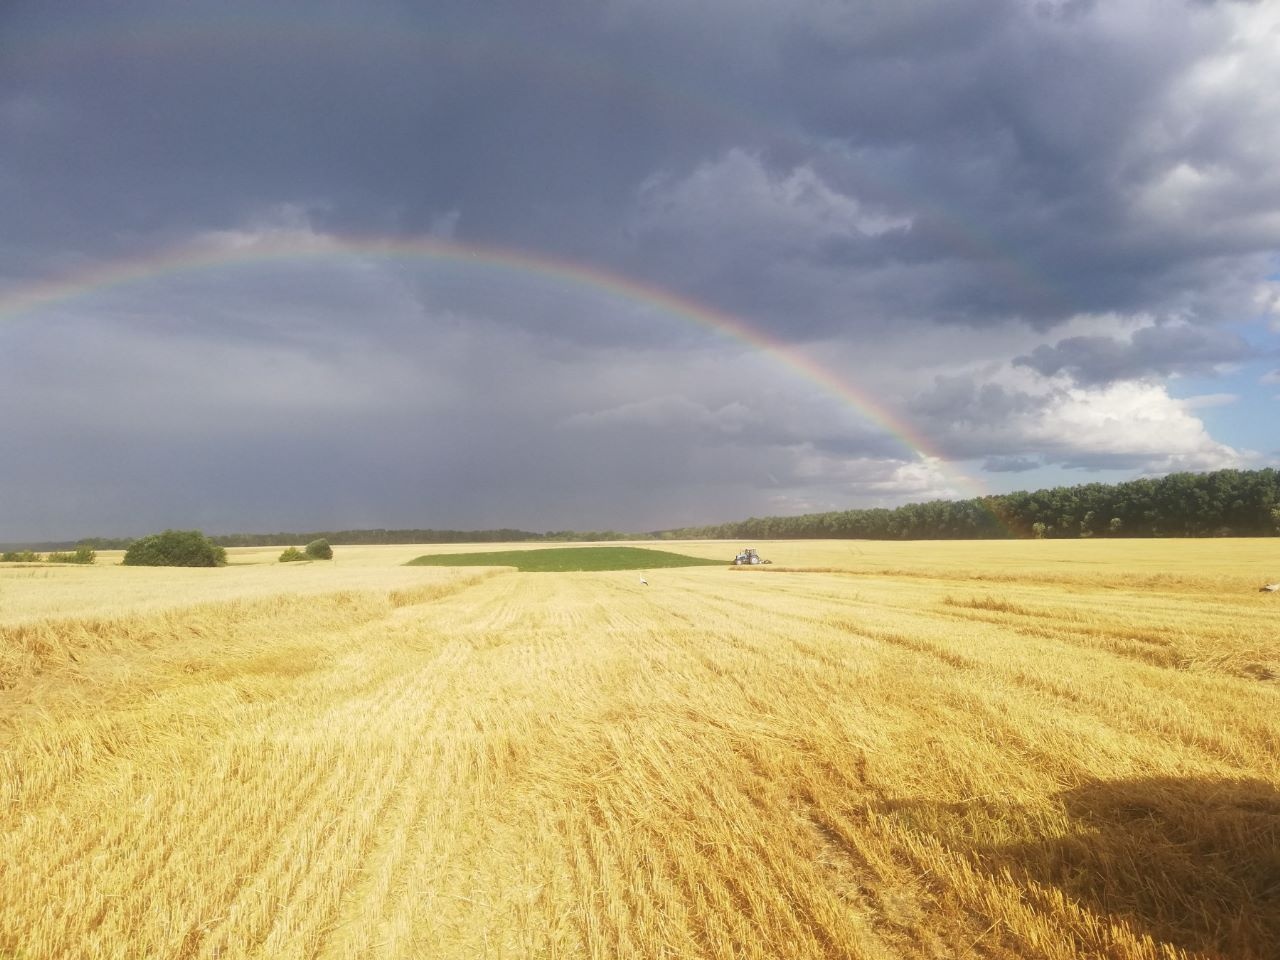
(565, 559)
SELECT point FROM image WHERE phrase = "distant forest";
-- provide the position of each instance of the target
(1225, 503)
(358, 537)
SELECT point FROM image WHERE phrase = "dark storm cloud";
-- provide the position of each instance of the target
(964, 400)
(382, 118)
(1040, 159)
(854, 175)
(1008, 142)
(1152, 351)
(1010, 464)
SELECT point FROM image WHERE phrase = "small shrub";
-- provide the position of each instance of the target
(81, 555)
(20, 556)
(319, 550)
(175, 548)
(291, 554)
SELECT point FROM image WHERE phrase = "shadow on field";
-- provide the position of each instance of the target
(1193, 862)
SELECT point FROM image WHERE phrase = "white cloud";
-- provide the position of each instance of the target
(1126, 422)
(1267, 300)
(282, 226)
(881, 481)
(736, 196)
(1206, 400)
(1211, 147)
(1015, 412)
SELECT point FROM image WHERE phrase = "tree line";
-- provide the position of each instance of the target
(356, 537)
(384, 536)
(81, 554)
(1225, 503)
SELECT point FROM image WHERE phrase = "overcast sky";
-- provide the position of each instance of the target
(994, 245)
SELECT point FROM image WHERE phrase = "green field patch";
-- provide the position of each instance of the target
(565, 559)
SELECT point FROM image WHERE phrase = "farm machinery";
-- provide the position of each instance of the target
(748, 557)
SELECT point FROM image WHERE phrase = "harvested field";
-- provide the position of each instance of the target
(567, 559)
(1021, 750)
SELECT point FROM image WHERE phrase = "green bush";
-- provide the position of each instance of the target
(319, 550)
(20, 556)
(175, 548)
(291, 554)
(81, 555)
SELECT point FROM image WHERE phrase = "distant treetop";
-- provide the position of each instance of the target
(175, 548)
(319, 550)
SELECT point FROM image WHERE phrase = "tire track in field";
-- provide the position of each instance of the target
(365, 902)
(404, 693)
(593, 848)
(770, 870)
(493, 732)
(344, 850)
(458, 781)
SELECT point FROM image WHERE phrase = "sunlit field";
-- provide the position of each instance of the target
(1051, 749)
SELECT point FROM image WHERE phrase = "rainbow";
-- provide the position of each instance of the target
(295, 246)
(409, 38)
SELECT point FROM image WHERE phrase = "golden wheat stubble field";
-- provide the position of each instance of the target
(1002, 750)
